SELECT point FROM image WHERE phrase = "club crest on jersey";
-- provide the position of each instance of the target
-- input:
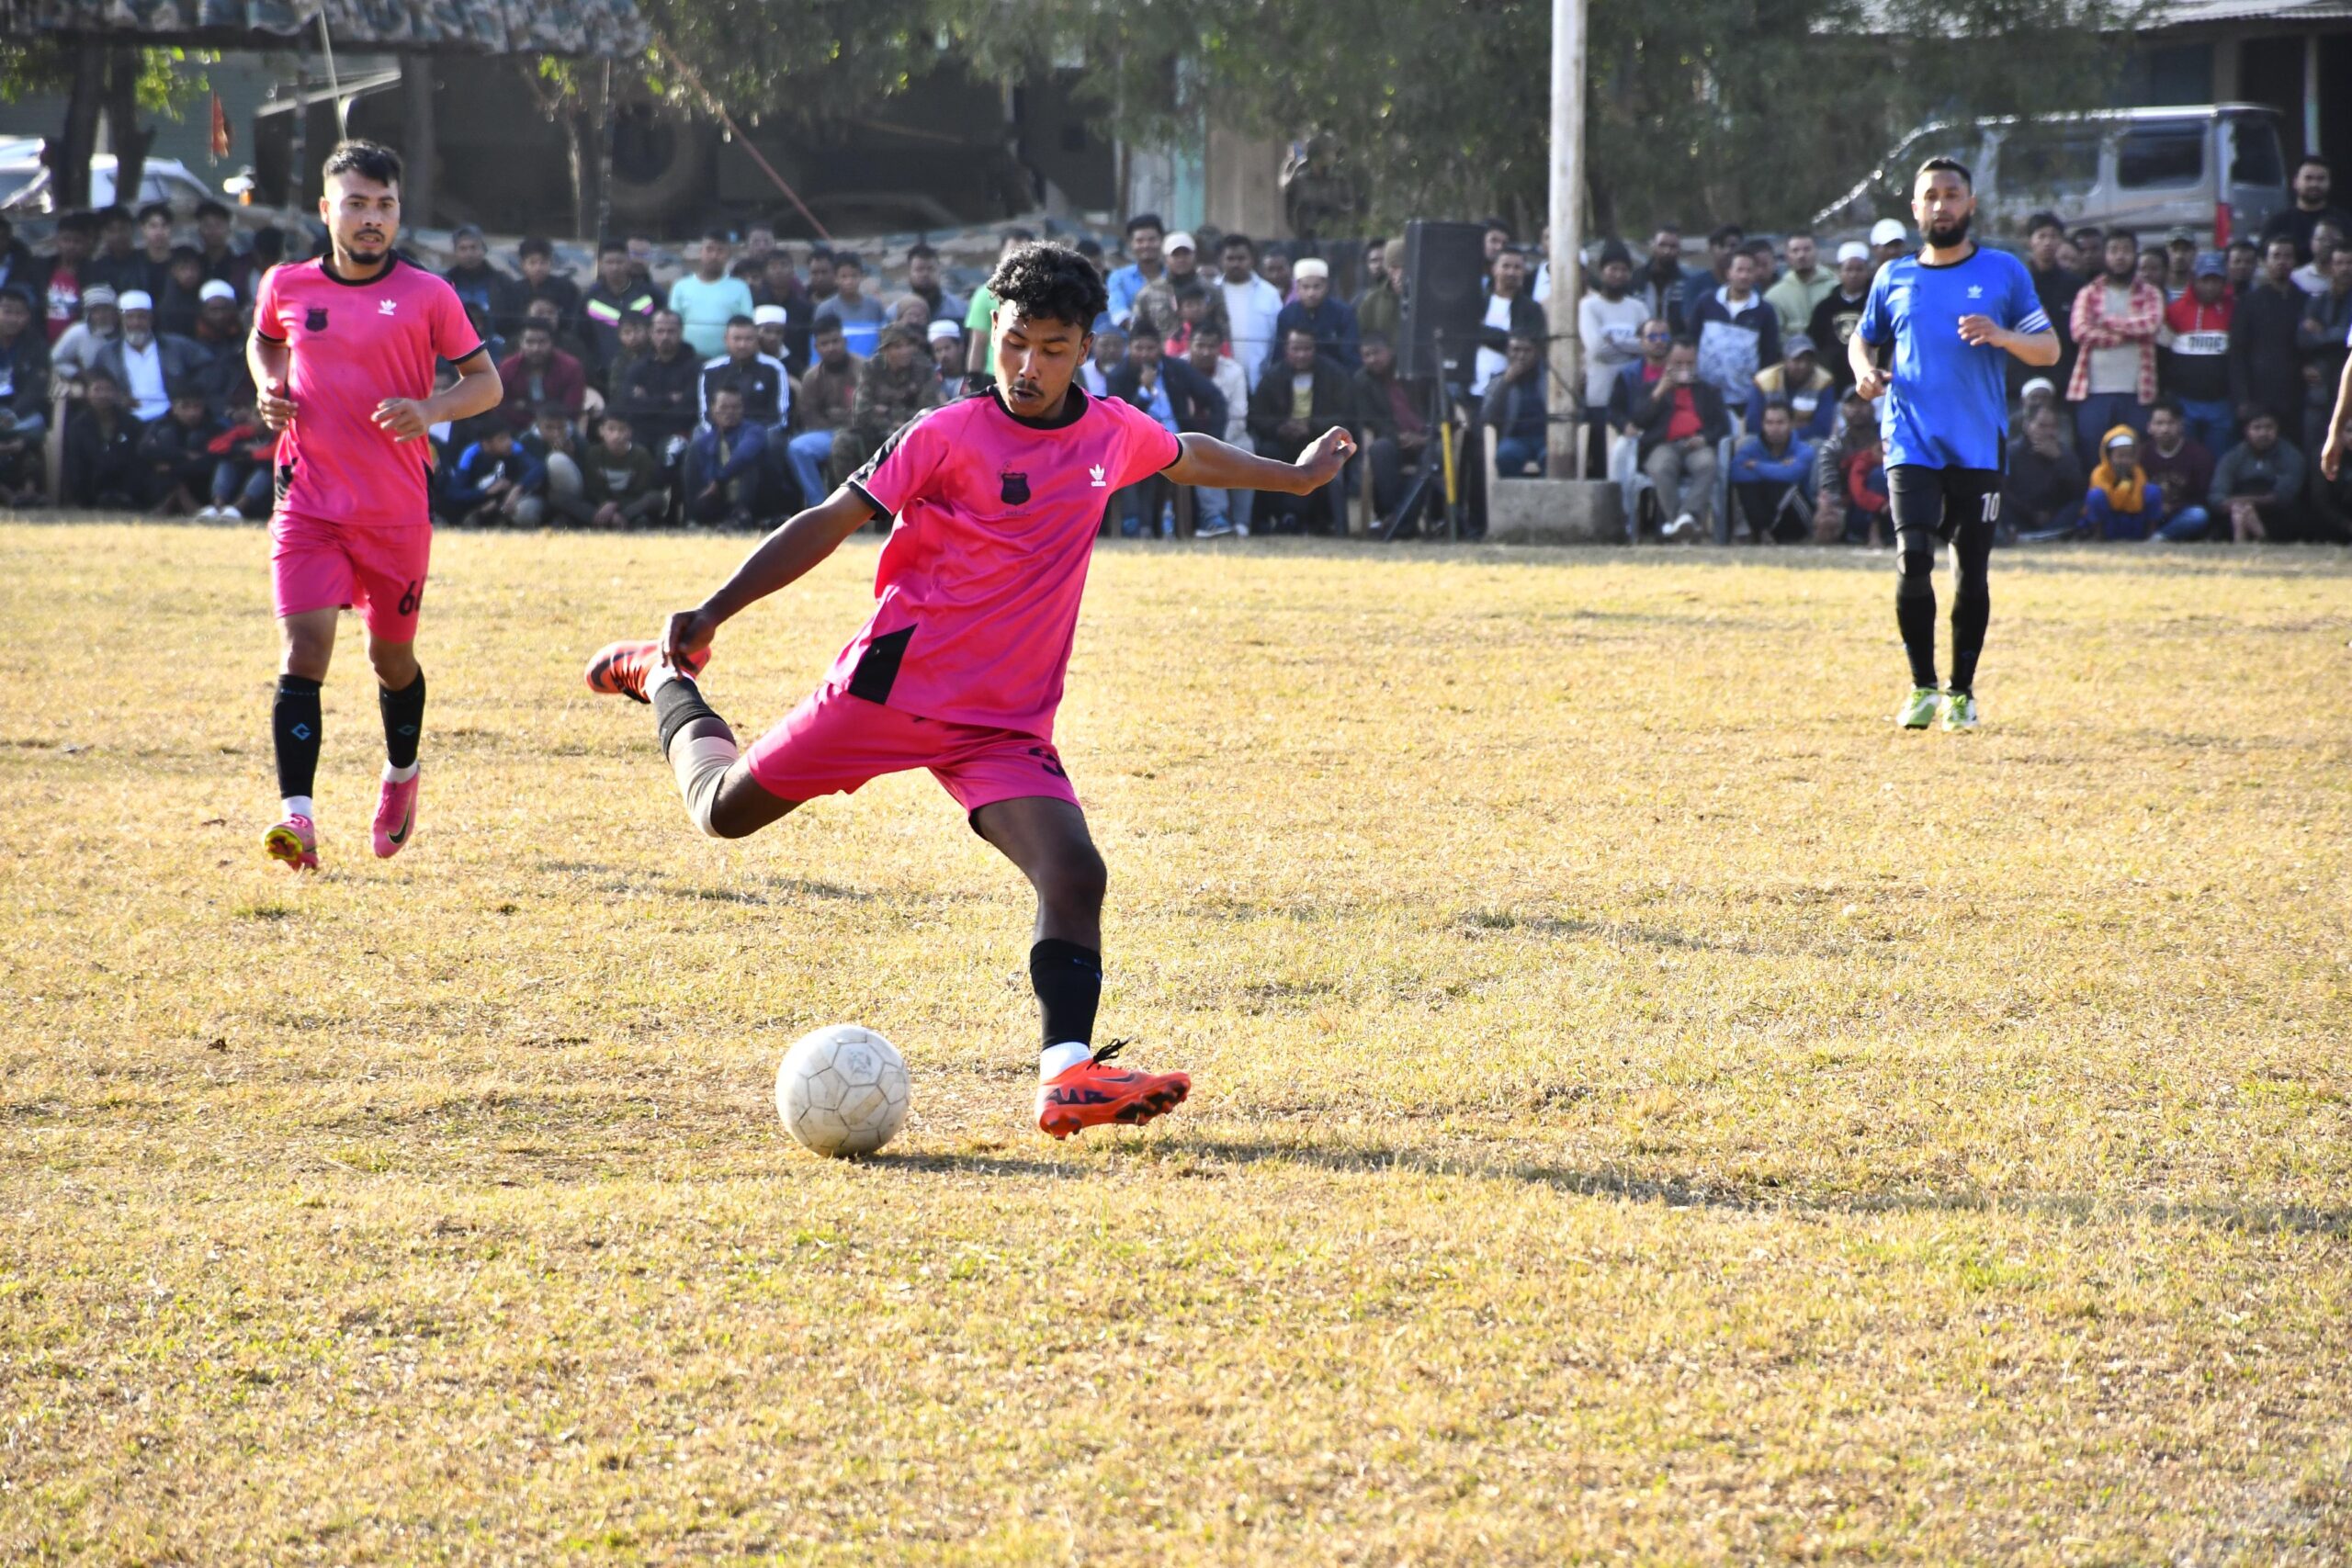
(316, 321)
(1015, 488)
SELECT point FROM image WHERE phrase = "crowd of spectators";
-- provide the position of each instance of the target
(2193, 387)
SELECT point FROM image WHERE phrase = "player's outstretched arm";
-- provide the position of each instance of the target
(2339, 428)
(781, 558)
(477, 391)
(1210, 462)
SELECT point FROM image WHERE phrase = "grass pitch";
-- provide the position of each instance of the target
(1645, 1107)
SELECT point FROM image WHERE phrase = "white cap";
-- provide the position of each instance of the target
(1313, 266)
(1889, 232)
(1854, 250)
(217, 288)
(2040, 383)
(768, 315)
(1178, 241)
(136, 299)
(943, 328)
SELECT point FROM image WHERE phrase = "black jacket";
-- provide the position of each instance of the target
(177, 455)
(99, 467)
(1652, 410)
(25, 367)
(1334, 403)
(1192, 397)
(659, 399)
(1526, 320)
(2266, 363)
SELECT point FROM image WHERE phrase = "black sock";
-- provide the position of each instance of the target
(1915, 614)
(294, 726)
(677, 703)
(403, 714)
(1069, 981)
(1972, 611)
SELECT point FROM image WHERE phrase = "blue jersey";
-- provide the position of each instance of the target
(1948, 404)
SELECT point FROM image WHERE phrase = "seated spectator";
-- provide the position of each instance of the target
(1657, 341)
(1517, 411)
(146, 365)
(562, 485)
(1738, 332)
(618, 295)
(24, 399)
(1510, 313)
(182, 301)
(495, 481)
(1110, 353)
(1771, 479)
(2195, 366)
(536, 258)
(897, 384)
(245, 466)
(946, 350)
(2258, 484)
(1293, 403)
(2121, 503)
(620, 481)
(1220, 512)
(178, 450)
(1799, 381)
(1396, 423)
(2042, 494)
(2322, 336)
(773, 323)
(537, 376)
(2180, 466)
(102, 466)
(76, 351)
(224, 377)
(1680, 420)
(862, 319)
(940, 303)
(544, 311)
(661, 393)
(2311, 277)
(1849, 494)
(1328, 321)
(760, 379)
(493, 300)
(1841, 310)
(632, 340)
(725, 465)
(780, 295)
(1178, 400)
(828, 397)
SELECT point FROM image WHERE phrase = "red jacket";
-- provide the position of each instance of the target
(563, 383)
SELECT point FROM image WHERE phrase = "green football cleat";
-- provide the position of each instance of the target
(1960, 712)
(1920, 711)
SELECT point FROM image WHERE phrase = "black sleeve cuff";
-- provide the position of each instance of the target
(866, 496)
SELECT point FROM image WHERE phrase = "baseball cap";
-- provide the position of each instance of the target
(1854, 250)
(1796, 343)
(768, 315)
(941, 330)
(1312, 266)
(2209, 264)
(217, 288)
(1178, 241)
(137, 299)
(2040, 383)
(2181, 235)
(1889, 232)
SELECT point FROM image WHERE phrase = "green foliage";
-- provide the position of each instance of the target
(170, 80)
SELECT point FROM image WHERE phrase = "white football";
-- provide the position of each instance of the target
(843, 1090)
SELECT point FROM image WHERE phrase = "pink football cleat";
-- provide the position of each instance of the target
(293, 843)
(396, 815)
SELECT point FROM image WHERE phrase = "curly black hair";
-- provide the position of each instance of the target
(1047, 282)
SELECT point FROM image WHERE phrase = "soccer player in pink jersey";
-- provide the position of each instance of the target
(997, 498)
(342, 355)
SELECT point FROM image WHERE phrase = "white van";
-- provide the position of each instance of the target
(2217, 169)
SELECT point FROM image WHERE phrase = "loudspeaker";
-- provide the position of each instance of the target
(1445, 306)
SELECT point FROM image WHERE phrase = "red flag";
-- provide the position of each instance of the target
(219, 128)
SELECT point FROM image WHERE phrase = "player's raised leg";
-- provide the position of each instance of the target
(1077, 1085)
(307, 641)
(715, 780)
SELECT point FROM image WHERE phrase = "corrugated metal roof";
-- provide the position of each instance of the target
(2189, 13)
(581, 28)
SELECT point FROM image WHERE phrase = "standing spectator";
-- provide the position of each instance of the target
(620, 481)
(1804, 286)
(73, 355)
(1608, 319)
(495, 481)
(1227, 511)
(544, 312)
(979, 320)
(23, 398)
(182, 301)
(922, 282)
(2155, 271)
(2313, 180)
(221, 258)
(538, 375)
(222, 377)
(779, 290)
(2182, 468)
(2115, 321)
(154, 250)
(661, 393)
(1179, 399)
(1497, 240)
(69, 275)
(615, 294)
(1328, 321)
(862, 317)
(1663, 275)
(1771, 479)
(178, 452)
(1293, 403)
(821, 274)
(1251, 305)
(1800, 384)
(1378, 307)
(1725, 242)
(1273, 266)
(1510, 313)
(2259, 482)
(1110, 353)
(116, 260)
(2042, 492)
(708, 297)
(758, 378)
(640, 258)
(2266, 360)
(17, 265)
(536, 257)
(2312, 276)
(772, 322)
(1396, 423)
(759, 244)
(146, 365)
(634, 341)
(2327, 326)
(897, 384)
(2244, 258)
(1516, 410)
(493, 299)
(828, 396)
(2197, 365)
(2121, 503)
(1199, 305)
(102, 466)
(1889, 241)
(1681, 420)
(2180, 262)
(1738, 333)
(1841, 310)
(1157, 302)
(1145, 231)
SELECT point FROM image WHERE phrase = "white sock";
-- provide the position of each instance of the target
(662, 675)
(299, 806)
(399, 776)
(1060, 1059)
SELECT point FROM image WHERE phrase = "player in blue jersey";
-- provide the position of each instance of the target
(1954, 314)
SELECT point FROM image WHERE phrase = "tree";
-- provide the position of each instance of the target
(117, 79)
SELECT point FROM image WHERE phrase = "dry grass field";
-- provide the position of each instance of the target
(1647, 1108)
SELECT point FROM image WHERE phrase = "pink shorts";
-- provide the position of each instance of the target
(323, 566)
(832, 743)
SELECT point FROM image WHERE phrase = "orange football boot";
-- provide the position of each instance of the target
(619, 668)
(1092, 1094)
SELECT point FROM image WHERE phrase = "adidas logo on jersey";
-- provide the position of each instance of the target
(1096, 473)
(1976, 291)
(386, 307)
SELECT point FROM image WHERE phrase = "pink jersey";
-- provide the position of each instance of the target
(353, 345)
(980, 583)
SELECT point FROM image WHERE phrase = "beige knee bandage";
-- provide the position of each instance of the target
(701, 764)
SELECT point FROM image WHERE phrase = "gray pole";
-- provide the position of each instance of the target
(1567, 442)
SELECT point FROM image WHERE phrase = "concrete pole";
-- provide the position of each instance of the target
(1567, 438)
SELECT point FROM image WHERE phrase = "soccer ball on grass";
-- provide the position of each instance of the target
(843, 1090)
